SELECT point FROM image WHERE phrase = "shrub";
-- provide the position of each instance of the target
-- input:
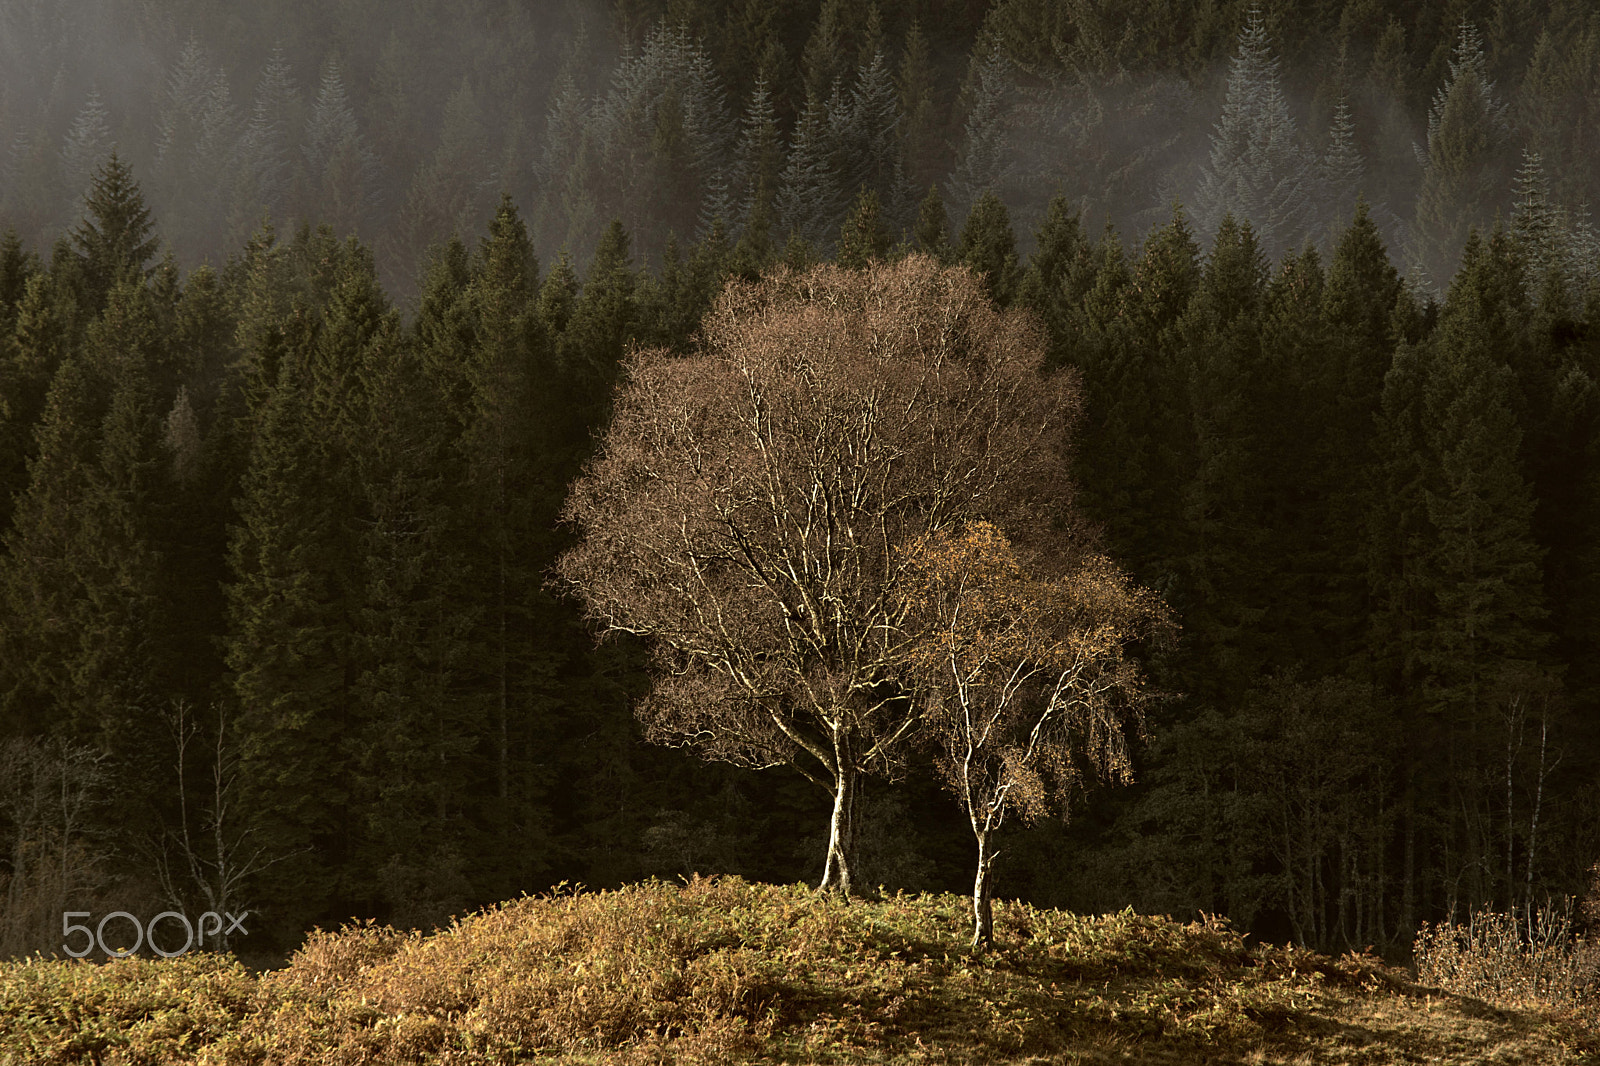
(1523, 959)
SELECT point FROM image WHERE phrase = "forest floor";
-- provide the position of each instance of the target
(722, 970)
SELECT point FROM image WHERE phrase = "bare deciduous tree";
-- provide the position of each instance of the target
(49, 790)
(749, 504)
(1029, 683)
(219, 867)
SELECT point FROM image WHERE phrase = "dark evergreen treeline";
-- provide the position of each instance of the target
(273, 621)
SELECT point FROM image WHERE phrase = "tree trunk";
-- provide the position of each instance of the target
(982, 897)
(836, 874)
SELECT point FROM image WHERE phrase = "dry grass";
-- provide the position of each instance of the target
(723, 971)
(1516, 960)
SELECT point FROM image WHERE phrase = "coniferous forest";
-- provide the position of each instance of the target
(312, 314)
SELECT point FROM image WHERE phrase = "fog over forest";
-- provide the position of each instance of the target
(313, 313)
(405, 125)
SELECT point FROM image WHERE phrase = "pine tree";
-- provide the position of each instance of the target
(865, 237)
(811, 200)
(923, 150)
(1258, 170)
(1461, 179)
(1342, 170)
(989, 247)
(86, 147)
(266, 167)
(931, 235)
(982, 164)
(342, 171)
(113, 239)
(195, 143)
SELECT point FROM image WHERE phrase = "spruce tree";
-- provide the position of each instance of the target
(758, 164)
(922, 140)
(1461, 176)
(296, 590)
(264, 180)
(1258, 170)
(1058, 277)
(341, 168)
(982, 164)
(44, 333)
(1343, 174)
(931, 235)
(196, 141)
(811, 199)
(989, 248)
(864, 237)
(41, 590)
(88, 144)
(114, 236)
(603, 321)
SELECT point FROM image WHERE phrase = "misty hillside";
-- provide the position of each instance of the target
(405, 124)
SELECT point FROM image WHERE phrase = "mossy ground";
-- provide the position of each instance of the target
(723, 970)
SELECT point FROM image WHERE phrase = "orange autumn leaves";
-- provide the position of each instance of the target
(1028, 683)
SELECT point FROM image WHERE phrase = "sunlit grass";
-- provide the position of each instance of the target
(723, 970)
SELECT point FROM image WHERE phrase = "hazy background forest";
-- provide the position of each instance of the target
(278, 506)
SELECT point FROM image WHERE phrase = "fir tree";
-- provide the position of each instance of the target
(931, 235)
(86, 147)
(1461, 180)
(342, 170)
(265, 177)
(811, 200)
(982, 164)
(114, 236)
(1258, 170)
(865, 237)
(989, 247)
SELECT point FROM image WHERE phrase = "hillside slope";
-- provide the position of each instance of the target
(724, 970)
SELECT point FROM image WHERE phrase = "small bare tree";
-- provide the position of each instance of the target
(1030, 687)
(49, 792)
(214, 853)
(749, 504)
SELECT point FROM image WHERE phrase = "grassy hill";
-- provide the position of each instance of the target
(723, 970)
